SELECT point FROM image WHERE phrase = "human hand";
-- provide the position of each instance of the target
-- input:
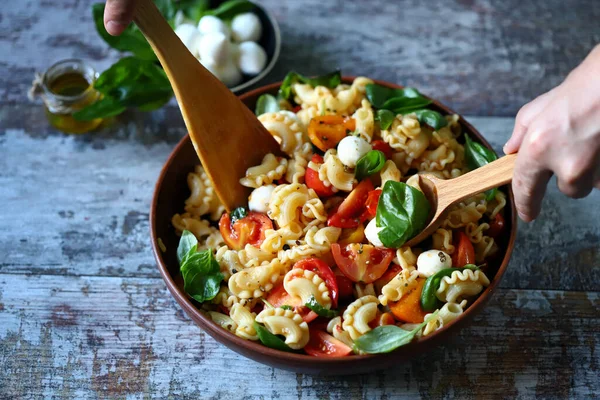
(118, 14)
(559, 133)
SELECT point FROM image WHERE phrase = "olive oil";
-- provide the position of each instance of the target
(69, 87)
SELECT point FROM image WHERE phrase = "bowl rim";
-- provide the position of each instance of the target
(272, 62)
(224, 336)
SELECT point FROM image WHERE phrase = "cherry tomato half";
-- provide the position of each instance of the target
(497, 226)
(371, 204)
(383, 147)
(312, 179)
(320, 268)
(248, 230)
(322, 344)
(326, 131)
(464, 253)
(362, 262)
(278, 297)
(345, 287)
(349, 213)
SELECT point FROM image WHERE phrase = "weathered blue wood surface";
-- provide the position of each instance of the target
(83, 311)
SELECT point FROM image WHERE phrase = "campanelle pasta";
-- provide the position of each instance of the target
(309, 245)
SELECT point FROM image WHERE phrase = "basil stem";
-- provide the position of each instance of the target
(319, 309)
(270, 340)
(429, 300)
(432, 118)
(369, 164)
(266, 103)
(386, 338)
(477, 155)
(402, 212)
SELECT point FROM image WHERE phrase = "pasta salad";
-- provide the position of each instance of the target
(317, 264)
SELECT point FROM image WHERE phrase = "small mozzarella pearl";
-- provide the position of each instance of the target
(372, 233)
(432, 261)
(214, 46)
(260, 197)
(229, 74)
(212, 24)
(351, 149)
(246, 27)
(190, 36)
(210, 65)
(252, 58)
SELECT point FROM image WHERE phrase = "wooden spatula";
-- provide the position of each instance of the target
(444, 193)
(226, 135)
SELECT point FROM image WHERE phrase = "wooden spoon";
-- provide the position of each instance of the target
(226, 135)
(444, 193)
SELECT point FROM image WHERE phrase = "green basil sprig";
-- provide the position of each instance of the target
(266, 103)
(201, 273)
(330, 80)
(432, 118)
(319, 309)
(238, 213)
(402, 212)
(386, 338)
(385, 118)
(130, 82)
(192, 9)
(369, 164)
(429, 300)
(398, 101)
(477, 155)
(270, 340)
(231, 8)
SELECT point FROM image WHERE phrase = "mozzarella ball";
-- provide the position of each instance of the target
(214, 46)
(246, 27)
(212, 24)
(210, 65)
(351, 149)
(229, 74)
(372, 233)
(431, 262)
(260, 197)
(234, 53)
(181, 19)
(190, 36)
(252, 58)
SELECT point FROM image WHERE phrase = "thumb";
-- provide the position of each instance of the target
(117, 15)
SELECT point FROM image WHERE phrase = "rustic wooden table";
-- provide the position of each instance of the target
(83, 311)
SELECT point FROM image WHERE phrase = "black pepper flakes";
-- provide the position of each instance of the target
(286, 246)
(234, 271)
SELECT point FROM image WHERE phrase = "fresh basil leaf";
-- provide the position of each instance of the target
(403, 105)
(167, 8)
(385, 118)
(193, 9)
(231, 8)
(238, 213)
(330, 80)
(104, 108)
(319, 309)
(369, 164)
(286, 307)
(270, 340)
(432, 118)
(402, 212)
(266, 103)
(386, 338)
(188, 245)
(201, 275)
(130, 40)
(381, 96)
(477, 155)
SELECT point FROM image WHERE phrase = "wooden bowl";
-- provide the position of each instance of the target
(169, 197)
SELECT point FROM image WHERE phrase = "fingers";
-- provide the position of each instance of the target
(576, 176)
(118, 14)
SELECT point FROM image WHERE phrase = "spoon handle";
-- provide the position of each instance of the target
(494, 174)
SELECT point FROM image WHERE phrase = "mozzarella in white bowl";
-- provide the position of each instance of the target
(431, 262)
(260, 197)
(252, 58)
(351, 149)
(246, 27)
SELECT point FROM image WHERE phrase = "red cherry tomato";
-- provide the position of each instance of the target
(248, 230)
(349, 214)
(371, 204)
(322, 344)
(464, 253)
(389, 274)
(345, 287)
(312, 179)
(362, 262)
(497, 226)
(296, 109)
(320, 268)
(383, 147)
(278, 297)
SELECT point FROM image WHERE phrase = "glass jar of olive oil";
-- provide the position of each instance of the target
(66, 87)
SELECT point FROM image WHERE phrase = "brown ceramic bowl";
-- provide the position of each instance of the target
(169, 196)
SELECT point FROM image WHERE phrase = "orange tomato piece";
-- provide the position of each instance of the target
(408, 308)
(326, 131)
